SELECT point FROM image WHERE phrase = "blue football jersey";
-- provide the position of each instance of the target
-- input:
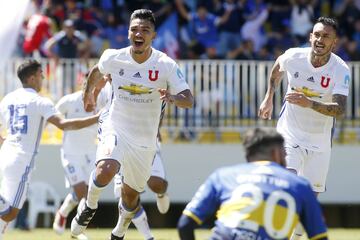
(260, 200)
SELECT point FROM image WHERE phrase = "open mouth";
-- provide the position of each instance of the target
(319, 46)
(138, 42)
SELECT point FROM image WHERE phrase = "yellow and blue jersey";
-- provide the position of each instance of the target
(260, 200)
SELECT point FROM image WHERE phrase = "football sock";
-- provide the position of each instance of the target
(93, 192)
(4, 209)
(124, 220)
(3, 225)
(141, 223)
(68, 205)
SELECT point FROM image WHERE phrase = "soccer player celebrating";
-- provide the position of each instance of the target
(23, 113)
(157, 181)
(256, 200)
(142, 77)
(318, 85)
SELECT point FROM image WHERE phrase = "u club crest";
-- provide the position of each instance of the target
(325, 81)
(153, 75)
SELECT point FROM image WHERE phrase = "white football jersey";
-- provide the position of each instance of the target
(304, 126)
(23, 113)
(81, 141)
(136, 106)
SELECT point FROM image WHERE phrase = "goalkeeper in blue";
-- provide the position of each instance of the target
(257, 200)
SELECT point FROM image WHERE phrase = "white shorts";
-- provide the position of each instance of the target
(157, 170)
(16, 169)
(135, 161)
(77, 167)
(314, 166)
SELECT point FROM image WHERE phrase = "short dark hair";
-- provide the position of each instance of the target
(259, 141)
(27, 69)
(327, 21)
(144, 14)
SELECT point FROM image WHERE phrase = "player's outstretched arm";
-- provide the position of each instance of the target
(89, 86)
(183, 99)
(74, 123)
(266, 107)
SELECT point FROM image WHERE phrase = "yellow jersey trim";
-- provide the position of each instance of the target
(192, 216)
(319, 236)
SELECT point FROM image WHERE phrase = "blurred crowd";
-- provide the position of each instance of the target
(206, 29)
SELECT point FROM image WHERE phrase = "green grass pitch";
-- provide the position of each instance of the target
(159, 234)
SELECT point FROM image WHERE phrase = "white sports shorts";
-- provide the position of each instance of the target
(16, 168)
(78, 167)
(135, 161)
(314, 166)
(157, 170)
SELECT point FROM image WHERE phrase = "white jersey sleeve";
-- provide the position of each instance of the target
(47, 108)
(342, 81)
(106, 59)
(63, 105)
(284, 58)
(176, 80)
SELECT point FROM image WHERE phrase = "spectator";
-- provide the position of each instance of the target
(91, 26)
(161, 9)
(252, 29)
(302, 16)
(347, 12)
(229, 36)
(279, 11)
(213, 6)
(68, 43)
(38, 29)
(244, 52)
(356, 40)
(282, 39)
(115, 32)
(204, 29)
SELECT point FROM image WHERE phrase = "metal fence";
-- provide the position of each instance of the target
(227, 94)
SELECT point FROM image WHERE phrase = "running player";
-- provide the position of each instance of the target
(142, 77)
(23, 113)
(318, 85)
(157, 181)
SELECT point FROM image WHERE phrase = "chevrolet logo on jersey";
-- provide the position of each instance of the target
(136, 89)
(307, 91)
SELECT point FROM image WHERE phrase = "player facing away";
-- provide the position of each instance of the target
(23, 113)
(318, 85)
(78, 160)
(260, 199)
(142, 77)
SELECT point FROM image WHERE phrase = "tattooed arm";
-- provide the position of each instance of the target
(275, 78)
(266, 107)
(335, 109)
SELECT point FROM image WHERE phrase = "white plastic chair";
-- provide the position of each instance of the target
(42, 198)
